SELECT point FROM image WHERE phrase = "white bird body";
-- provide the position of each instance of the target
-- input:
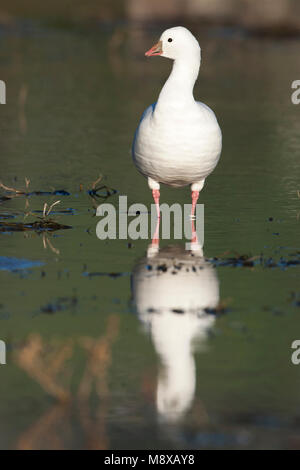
(178, 141)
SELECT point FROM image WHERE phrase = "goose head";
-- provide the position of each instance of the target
(176, 43)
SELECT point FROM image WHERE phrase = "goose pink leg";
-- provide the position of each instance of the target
(194, 238)
(195, 195)
(155, 239)
(156, 196)
(196, 188)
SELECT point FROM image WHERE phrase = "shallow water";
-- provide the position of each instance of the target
(80, 328)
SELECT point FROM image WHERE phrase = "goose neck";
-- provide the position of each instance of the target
(178, 89)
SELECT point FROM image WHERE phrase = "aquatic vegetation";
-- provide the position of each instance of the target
(43, 224)
(13, 192)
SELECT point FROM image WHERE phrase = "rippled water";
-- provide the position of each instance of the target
(106, 349)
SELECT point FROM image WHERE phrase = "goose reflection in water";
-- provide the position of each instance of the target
(172, 291)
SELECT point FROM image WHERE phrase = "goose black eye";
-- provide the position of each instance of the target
(170, 40)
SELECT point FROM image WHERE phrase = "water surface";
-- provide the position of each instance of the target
(88, 364)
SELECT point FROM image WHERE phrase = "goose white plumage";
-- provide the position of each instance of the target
(178, 141)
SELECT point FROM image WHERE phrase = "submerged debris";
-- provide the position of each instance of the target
(252, 261)
(295, 299)
(58, 192)
(40, 225)
(60, 304)
(12, 264)
(281, 263)
(4, 198)
(221, 309)
(6, 215)
(112, 274)
(237, 261)
(67, 211)
(100, 192)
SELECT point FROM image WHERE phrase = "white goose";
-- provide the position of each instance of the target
(178, 141)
